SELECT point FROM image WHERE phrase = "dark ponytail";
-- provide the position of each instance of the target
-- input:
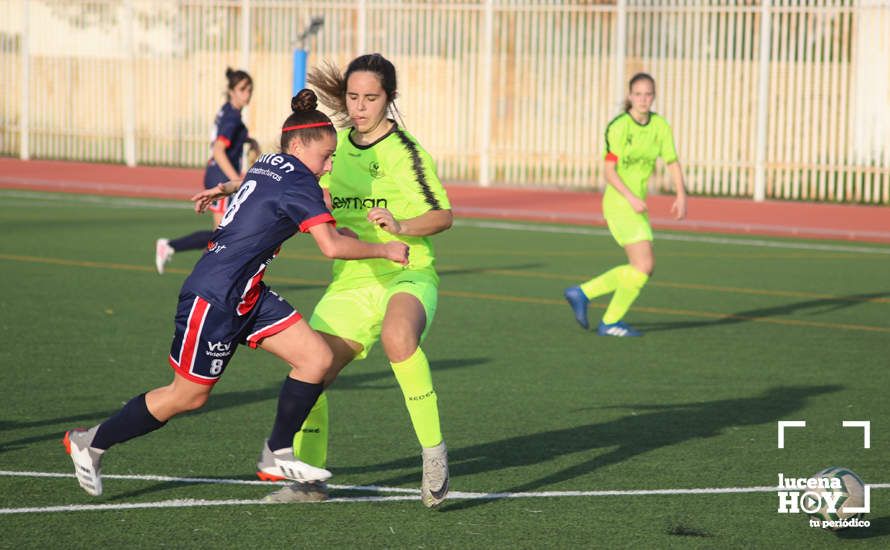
(315, 124)
(636, 78)
(235, 77)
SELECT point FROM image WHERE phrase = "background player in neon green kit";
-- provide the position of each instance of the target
(383, 187)
(634, 140)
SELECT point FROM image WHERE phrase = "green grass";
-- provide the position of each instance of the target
(738, 337)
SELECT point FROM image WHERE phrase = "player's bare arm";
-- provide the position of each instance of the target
(204, 199)
(428, 223)
(678, 208)
(334, 245)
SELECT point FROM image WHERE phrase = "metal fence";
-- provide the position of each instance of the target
(768, 99)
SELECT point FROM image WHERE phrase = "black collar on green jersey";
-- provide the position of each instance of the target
(392, 130)
(651, 114)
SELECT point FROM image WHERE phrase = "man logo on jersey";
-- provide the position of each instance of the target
(374, 169)
(357, 202)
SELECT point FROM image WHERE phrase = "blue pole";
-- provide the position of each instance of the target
(299, 70)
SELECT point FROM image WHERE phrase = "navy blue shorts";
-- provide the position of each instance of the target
(207, 336)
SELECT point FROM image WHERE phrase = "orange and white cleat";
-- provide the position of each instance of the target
(282, 464)
(87, 460)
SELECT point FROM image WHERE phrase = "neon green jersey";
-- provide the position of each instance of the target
(393, 173)
(635, 147)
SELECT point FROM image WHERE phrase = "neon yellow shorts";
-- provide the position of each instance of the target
(627, 227)
(356, 313)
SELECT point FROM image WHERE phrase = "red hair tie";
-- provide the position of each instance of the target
(302, 126)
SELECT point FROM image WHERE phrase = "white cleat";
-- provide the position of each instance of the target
(163, 254)
(434, 486)
(282, 464)
(87, 461)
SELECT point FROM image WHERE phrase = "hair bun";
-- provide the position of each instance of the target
(230, 72)
(305, 100)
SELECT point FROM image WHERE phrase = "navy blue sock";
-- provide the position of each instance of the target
(294, 403)
(195, 241)
(131, 421)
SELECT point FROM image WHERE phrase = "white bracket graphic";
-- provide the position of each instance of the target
(866, 502)
(866, 430)
(788, 424)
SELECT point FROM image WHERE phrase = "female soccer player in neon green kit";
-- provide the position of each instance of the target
(383, 187)
(634, 139)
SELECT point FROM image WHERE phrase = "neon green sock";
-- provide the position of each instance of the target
(416, 381)
(604, 284)
(311, 442)
(630, 282)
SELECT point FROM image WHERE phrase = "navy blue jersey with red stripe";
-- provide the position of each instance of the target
(230, 129)
(279, 196)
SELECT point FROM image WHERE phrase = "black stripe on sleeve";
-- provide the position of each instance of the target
(417, 165)
(613, 121)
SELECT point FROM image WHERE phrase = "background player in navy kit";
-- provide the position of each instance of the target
(224, 303)
(226, 145)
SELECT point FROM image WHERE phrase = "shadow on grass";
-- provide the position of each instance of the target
(658, 426)
(359, 380)
(822, 306)
(233, 399)
(880, 527)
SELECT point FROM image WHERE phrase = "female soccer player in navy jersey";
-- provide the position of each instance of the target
(226, 145)
(224, 303)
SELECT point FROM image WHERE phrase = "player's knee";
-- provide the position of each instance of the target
(645, 266)
(399, 345)
(319, 362)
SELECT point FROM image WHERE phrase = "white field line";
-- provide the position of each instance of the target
(408, 494)
(668, 223)
(762, 243)
(72, 186)
(96, 187)
(60, 199)
(208, 480)
(120, 202)
(178, 503)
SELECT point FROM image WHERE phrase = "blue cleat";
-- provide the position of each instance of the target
(620, 329)
(576, 298)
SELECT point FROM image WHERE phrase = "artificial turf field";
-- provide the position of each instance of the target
(740, 333)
